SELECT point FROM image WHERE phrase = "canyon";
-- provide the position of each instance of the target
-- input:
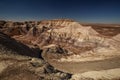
(59, 49)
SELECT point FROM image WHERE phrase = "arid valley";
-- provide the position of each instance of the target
(59, 49)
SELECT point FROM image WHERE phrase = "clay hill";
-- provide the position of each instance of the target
(59, 49)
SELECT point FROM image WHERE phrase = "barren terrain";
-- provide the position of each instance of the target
(59, 49)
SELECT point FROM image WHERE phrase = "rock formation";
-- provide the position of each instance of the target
(67, 45)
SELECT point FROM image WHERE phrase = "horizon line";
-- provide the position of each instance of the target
(80, 21)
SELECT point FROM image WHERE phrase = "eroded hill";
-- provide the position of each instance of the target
(66, 45)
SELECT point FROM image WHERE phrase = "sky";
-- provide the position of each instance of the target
(95, 11)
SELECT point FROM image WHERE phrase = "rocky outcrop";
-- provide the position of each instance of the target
(64, 41)
(14, 66)
(82, 44)
(68, 34)
(17, 67)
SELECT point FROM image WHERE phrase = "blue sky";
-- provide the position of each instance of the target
(96, 11)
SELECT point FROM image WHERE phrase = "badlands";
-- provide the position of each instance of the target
(59, 49)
